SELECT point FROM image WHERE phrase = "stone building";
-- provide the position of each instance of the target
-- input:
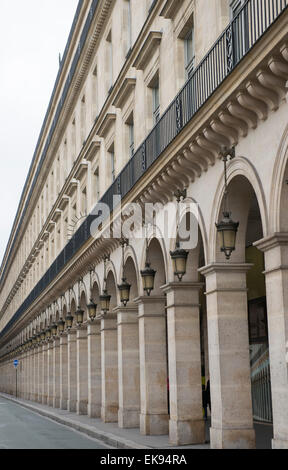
(151, 98)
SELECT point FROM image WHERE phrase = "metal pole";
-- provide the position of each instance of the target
(16, 382)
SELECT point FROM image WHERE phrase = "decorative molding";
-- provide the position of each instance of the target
(170, 9)
(124, 92)
(82, 169)
(153, 41)
(106, 124)
(93, 148)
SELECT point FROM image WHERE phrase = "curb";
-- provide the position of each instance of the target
(107, 438)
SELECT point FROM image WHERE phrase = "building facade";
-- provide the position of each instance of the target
(151, 97)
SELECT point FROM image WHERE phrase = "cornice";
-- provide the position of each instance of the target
(106, 124)
(93, 148)
(170, 9)
(124, 92)
(152, 41)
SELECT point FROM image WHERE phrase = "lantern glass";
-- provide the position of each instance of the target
(148, 278)
(105, 301)
(54, 329)
(179, 258)
(79, 316)
(69, 321)
(124, 290)
(227, 230)
(48, 333)
(61, 325)
(92, 309)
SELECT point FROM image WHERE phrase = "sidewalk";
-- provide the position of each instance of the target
(109, 433)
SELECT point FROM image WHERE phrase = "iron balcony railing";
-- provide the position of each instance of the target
(242, 33)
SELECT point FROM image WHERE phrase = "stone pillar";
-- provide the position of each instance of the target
(82, 370)
(72, 370)
(230, 385)
(186, 424)
(109, 369)
(45, 373)
(50, 376)
(34, 368)
(154, 418)
(276, 272)
(56, 373)
(28, 389)
(40, 373)
(128, 367)
(63, 372)
(94, 369)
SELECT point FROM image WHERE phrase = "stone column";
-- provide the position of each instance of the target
(50, 376)
(63, 372)
(34, 373)
(94, 369)
(29, 381)
(82, 370)
(109, 368)
(40, 373)
(230, 385)
(186, 424)
(72, 370)
(154, 418)
(44, 373)
(276, 272)
(56, 373)
(128, 367)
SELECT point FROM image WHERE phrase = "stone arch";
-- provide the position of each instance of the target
(278, 214)
(111, 286)
(243, 182)
(83, 304)
(202, 231)
(158, 258)
(131, 274)
(73, 308)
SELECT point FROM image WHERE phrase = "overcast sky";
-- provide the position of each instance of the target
(32, 33)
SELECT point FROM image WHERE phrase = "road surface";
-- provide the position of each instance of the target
(23, 429)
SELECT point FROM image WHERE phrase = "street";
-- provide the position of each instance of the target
(23, 429)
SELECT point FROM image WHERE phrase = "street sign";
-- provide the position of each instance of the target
(16, 362)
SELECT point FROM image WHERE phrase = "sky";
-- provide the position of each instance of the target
(32, 34)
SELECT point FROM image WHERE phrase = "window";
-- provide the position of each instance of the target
(236, 6)
(96, 191)
(189, 53)
(111, 156)
(240, 35)
(131, 139)
(109, 62)
(156, 102)
(129, 17)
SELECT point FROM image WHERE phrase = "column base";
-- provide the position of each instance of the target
(232, 438)
(94, 411)
(56, 402)
(72, 406)
(154, 425)
(50, 401)
(81, 407)
(279, 444)
(109, 414)
(63, 404)
(186, 432)
(44, 400)
(128, 419)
